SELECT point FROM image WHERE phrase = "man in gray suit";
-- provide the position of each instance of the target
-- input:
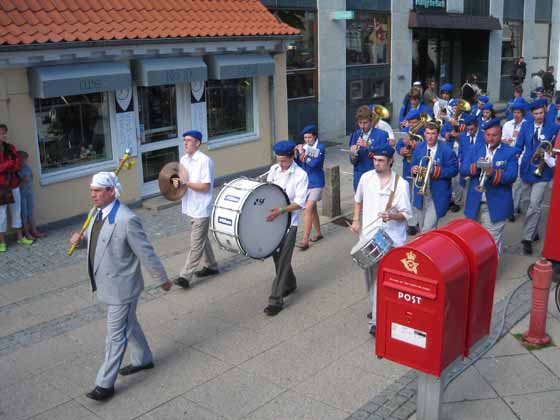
(117, 245)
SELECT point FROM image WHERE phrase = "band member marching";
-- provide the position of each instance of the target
(383, 200)
(361, 139)
(487, 113)
(415, 100)
(441, 106)
(492, 169)
(117, 245)
(293, 180)
(197, 204)
(536, 169)
(310, 157)
(405, 148)
(434, 164)
(480, 102)
(510, 132)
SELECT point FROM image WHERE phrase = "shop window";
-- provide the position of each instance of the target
(367, 39)
(157, 113)
(230, 107)
(300, 55)
(366, 91)
(73, 131)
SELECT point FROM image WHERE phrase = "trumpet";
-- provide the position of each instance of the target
(424, 120)
(423, 175)
(482, 164)
(537, 159)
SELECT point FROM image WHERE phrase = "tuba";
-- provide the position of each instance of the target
(537, 159)
(462, 106)
(424, 120)
(423, 176)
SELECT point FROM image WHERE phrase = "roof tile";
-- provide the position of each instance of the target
(52, 21)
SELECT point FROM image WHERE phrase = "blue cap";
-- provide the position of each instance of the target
(309, 129)
(284, 148)
(494, 122)
(488, 105)
(382, 150)
(193, 133)
(538, 103)
(519, 106)
(557, 101)
(483, 98)
(413, 114)
(453, 102)
(470, 119)
(539, 89)
(448, 87)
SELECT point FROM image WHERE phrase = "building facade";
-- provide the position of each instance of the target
(79, 86)
(370, 51)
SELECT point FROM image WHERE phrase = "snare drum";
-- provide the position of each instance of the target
(238, 220)
(370, 249)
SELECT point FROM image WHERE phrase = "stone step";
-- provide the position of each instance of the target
(158, 203)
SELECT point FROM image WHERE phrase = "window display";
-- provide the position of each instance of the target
(73, 131)
(367, 39)
(230, 107)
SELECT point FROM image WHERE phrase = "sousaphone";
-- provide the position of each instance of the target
(165, 179)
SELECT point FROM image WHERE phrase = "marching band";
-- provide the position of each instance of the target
(447, 152)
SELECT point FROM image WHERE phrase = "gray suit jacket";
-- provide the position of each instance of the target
(121, 247)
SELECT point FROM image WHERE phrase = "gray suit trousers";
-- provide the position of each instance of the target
(285, 278)
(122, 329)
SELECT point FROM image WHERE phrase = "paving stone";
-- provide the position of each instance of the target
(67, 411)
(539, 406)
(477, 410)
(180, 409)
(469, 386)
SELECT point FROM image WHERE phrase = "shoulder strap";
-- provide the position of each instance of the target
(392, 195)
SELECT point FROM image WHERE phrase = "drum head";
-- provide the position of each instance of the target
(259, 238)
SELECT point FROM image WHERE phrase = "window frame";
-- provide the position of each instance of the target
(86, 169)
(236, 139)
(388, 43)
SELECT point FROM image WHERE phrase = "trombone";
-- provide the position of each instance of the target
(423, 175)
(125, 162)
(482, 164)
(424, 120)
(537, 159)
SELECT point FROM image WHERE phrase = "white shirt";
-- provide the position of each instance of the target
(385, 126)
(510, 130)
(374, 201)
(294, 183)
(200, 168)
(437, 108)
(432, 150)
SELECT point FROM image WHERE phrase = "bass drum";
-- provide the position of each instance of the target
(239, 218)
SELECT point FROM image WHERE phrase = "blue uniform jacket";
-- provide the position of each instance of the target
(465, 146)
(400, 144)
(444, 169)
(526, 145)
(313, 166)
(498, 186)
(550, 116)
(363, 163)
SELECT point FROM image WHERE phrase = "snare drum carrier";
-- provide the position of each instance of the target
(372, 246)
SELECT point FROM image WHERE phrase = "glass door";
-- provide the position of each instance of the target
(159, 132)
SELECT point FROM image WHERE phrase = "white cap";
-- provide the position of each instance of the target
(107, 180)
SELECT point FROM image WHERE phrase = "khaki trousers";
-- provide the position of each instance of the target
(201, 249)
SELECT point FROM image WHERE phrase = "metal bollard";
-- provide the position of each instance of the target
(542, 278)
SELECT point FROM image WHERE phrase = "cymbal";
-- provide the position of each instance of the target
(165, 179)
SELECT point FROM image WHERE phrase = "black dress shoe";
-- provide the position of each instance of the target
(272, 310)
(101, 394)
(369, 315)
(289, 291)
(536, 238)
(412, 230)
(373, 330)
(512, 218)
(454, 207)
(131, 369)
(527, 247)
(182, 282)
(206, 271)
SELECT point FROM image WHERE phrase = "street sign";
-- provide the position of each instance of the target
(342, 15)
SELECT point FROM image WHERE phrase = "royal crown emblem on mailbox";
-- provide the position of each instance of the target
(410, 262)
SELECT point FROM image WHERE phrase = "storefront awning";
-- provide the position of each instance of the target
(170, 71)
(48, 82)
(453, 21)
(222, 67)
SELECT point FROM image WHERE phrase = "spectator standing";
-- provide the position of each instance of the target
(548, 80)
(430, 94)
(25, 174)
(536, 83)
(10, 164)
(519, 72)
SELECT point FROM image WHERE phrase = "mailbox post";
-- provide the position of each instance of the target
(434, 303)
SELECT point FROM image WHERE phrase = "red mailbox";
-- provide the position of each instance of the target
(422, 303)
(481, 251)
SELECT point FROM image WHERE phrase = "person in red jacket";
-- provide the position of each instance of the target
(10, 164)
